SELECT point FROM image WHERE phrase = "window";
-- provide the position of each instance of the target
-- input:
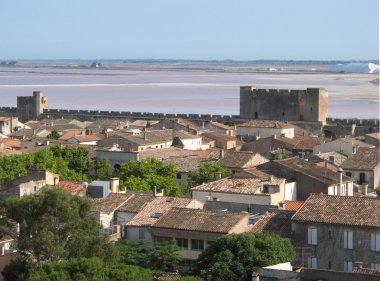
(183, 242)
(329, 264)
(141, 233)
(179, 176)
(348, 239)
(348, 174)
(361, 178)
(375, 242)
(161, 239)
(347, 266)
(312, 236)
(312, 262)
(210, 243)
(197, 245)
(375, 266)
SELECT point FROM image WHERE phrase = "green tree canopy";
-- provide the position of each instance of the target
(234, 257)
(147, 174)
(103, 169)
(159, 256)
(54, 135)
(206, 173)
(83, 269)
(55, 225)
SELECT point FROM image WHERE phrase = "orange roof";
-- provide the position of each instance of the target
(87, 138)
(11, 143)
(292, 205)
(70, 134)
(73, 187)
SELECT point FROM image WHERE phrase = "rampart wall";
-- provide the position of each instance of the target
(334, 126)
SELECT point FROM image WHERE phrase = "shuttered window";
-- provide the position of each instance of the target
(348, 239)
(312, 236)
(375, 242)
(313, 262)
(347, 266)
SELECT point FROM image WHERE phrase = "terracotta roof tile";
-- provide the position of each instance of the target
(342, 210)
(200, 220)
(366, 271)
(73, 187)
(110, 203)
(160, 206)
(364, 159)
(136, 203)
(11, 143)
(308, 142)
(69, 134)
(274, 223)
(293, 205)
(242, 159)
(185, 165)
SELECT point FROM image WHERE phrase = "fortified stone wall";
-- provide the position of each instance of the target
(334, 127)
(308, 105)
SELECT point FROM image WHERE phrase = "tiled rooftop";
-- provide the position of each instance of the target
(363, 159)
(238, 185)
(200, 220)
(110, 203)
(240, 159)
(159, 205)
(274, 223)
(136, 203)
(185, 165)
(341, 210)
(166, 153)
(73, 187)
(308, 142)
(293, 205)
(221, 125)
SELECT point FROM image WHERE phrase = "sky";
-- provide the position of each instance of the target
(190, 29)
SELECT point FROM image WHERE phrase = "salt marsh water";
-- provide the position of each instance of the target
(179, 91)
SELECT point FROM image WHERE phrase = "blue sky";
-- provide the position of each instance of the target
(189, 29)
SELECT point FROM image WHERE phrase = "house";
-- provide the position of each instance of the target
(221, 140)
(373, 139)
(178, 138)
(195, 229)
(32, 183)
(363, 166)
(85, 139)
(265, 146)
(265, 128)
(221, 128)
(346, 146)
(305, 144)
(126, 212)
(331, 160)
(238, 160)
(179, 124)
(103, 209)
(142, 124)
(242, 190)
(124, 142)
(73, 187)
(309, 177)
(8, 125)
(334, 232)
(138, 228)
(104, 125)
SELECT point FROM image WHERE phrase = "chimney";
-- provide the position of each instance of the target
(340, 172)
(326, 164)
(359, 264)
(365, 189)
(129, 147)
(145, 137)
(114, 185)
(158, 194)
(274, 137)
(218, 175)
(221, 153)
(106, 134)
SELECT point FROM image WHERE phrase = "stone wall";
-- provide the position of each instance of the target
(308, 105)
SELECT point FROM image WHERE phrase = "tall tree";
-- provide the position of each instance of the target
(205, 173)
(103, 169)
(234, 257)
(55, 225)
(148, 174)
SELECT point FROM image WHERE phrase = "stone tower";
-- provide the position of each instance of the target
(30, 107)
(308, 105)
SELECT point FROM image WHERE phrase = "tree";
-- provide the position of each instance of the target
(103, 169)
(54, 135)
(234, 257)
(159, 256)
(55, 225)
(206, 172)
(148, 174)
(83, 269)
(190, 278)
